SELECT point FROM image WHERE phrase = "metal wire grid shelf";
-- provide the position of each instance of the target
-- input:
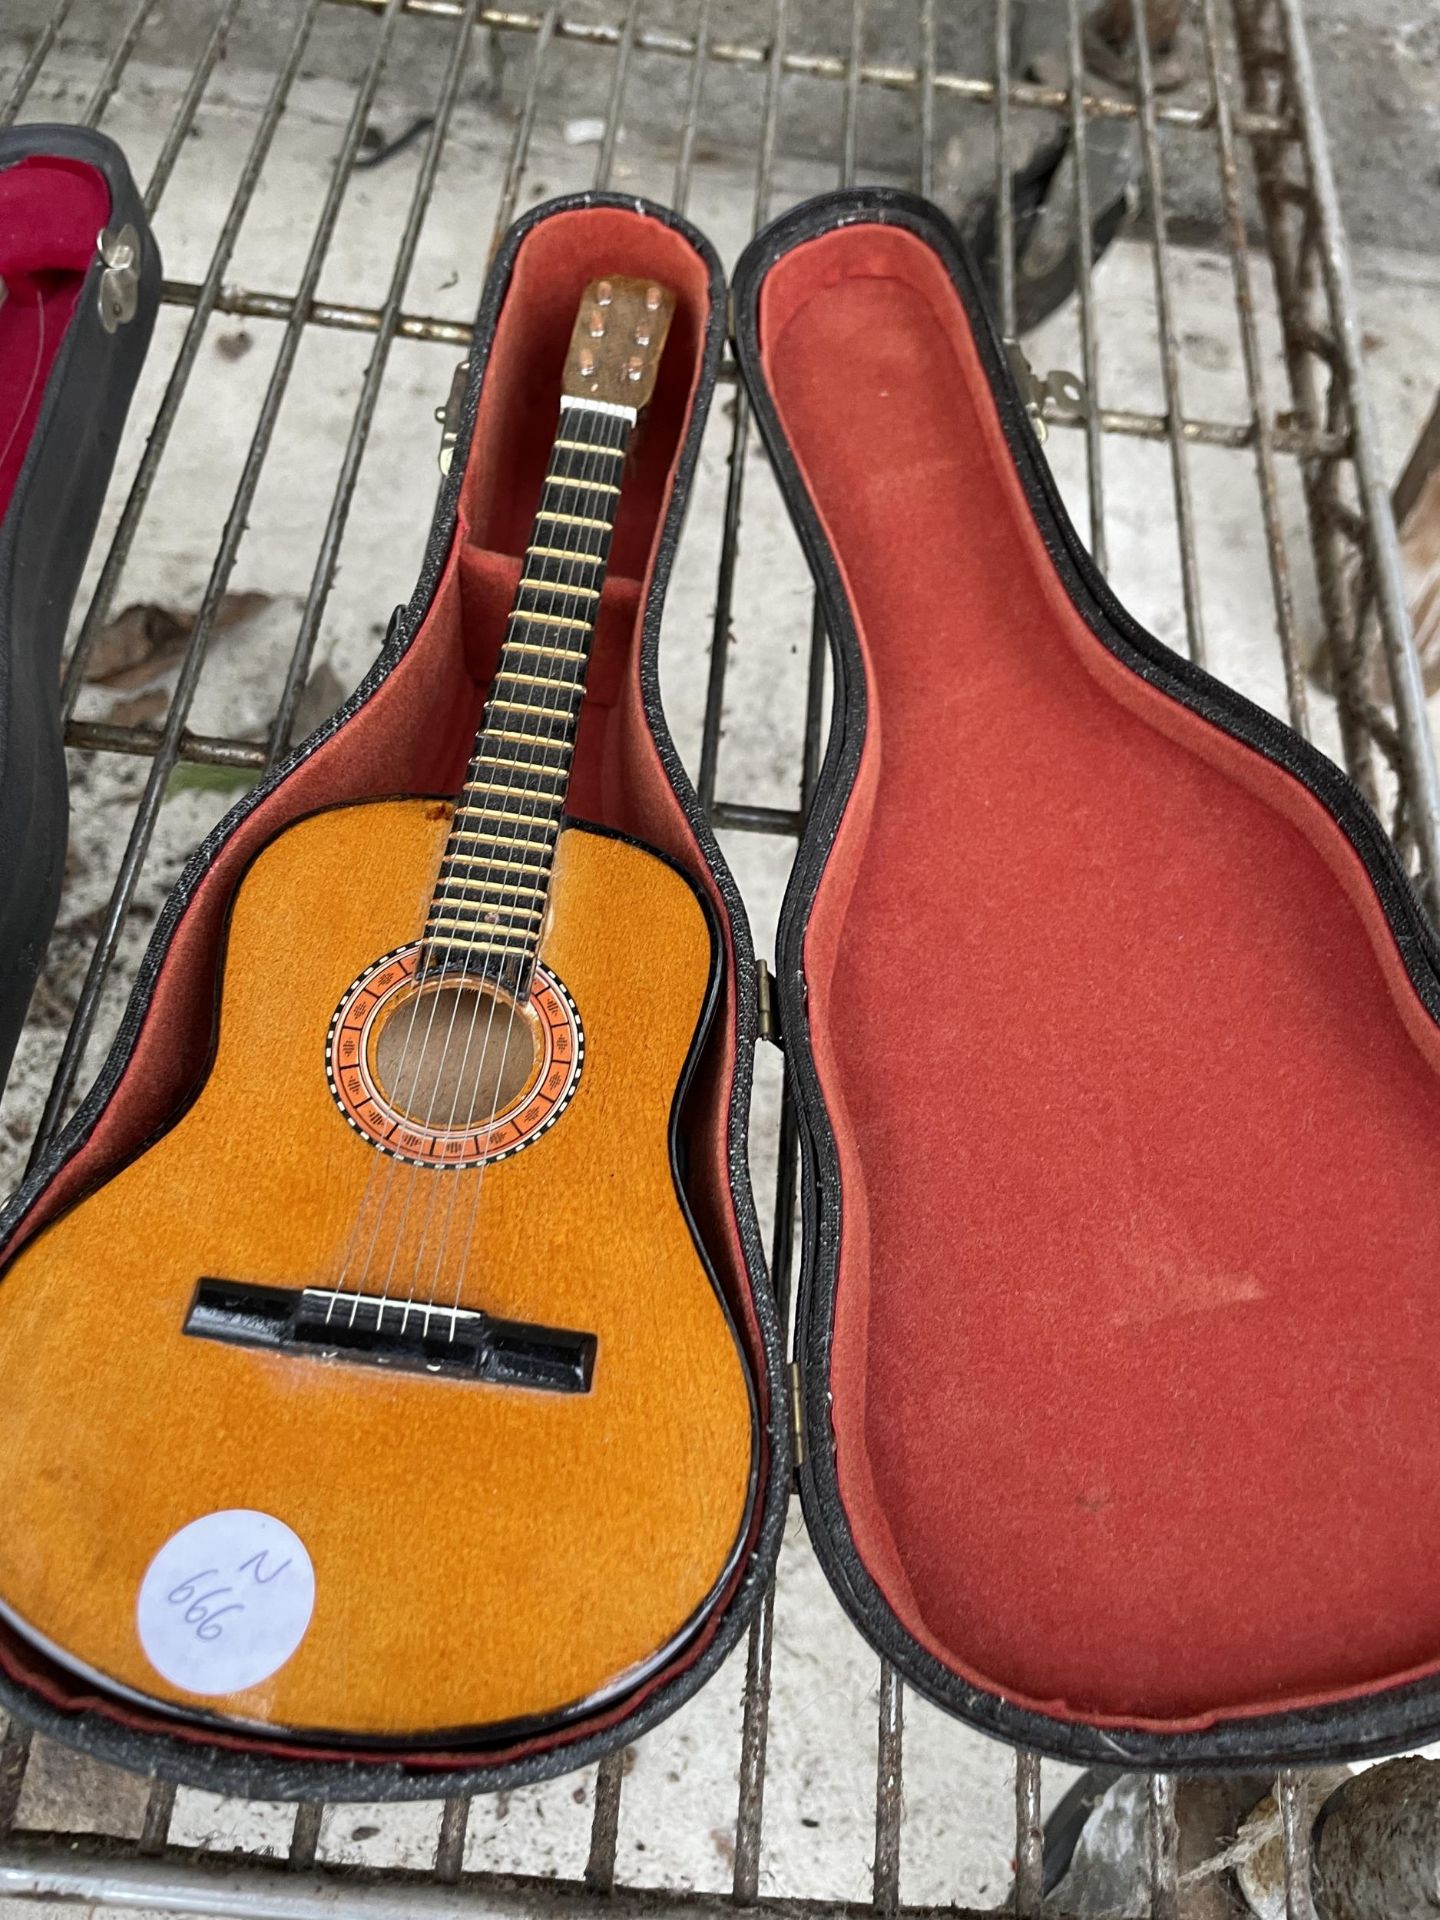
(1262, 124)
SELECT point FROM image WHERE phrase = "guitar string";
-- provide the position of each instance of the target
(519, 787)
(507, 866)
(534, 834)
(430, 966)
(596, 565)
(580, 557)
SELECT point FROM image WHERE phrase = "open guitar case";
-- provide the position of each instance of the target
(1111, 1018)
(409, 728)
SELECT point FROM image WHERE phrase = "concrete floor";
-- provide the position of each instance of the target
(678, 1806)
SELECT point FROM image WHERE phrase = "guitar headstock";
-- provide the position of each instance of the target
(618, 338)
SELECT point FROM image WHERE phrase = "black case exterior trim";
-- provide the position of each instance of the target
(255, 1773)
(1375, 1723)
(45, 535)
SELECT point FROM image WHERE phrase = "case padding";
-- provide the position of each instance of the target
(1122, 1023)
(52, 209)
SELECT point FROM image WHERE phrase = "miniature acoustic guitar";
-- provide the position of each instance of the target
(412, 1413)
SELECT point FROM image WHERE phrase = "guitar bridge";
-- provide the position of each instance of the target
(455, 1342)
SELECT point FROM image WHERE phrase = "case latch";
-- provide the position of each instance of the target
(1066, 389)
(119, 294)
(449, 414)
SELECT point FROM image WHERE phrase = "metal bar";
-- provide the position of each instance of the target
(1164, 1831)
(344, 317)
(848, 114)
(1169, 347)
(927, 97)
(185, 114)
(754, 1749)
(190, 1884)
(1131, 422)
(1029, 1837)
(200, 749)
(822, 66)
(1084, 282)
(1265, 471)
(14, 1758)
(1004, 193)
(605, 1825)
(25, 78)
(159, 1810)
(520, 145)
(888, 1792)
(305, 1835)
(1421, 774)
(1296, 1818)
(206, 298)
(189, 672)
(604, 165)
(328, 557)
(685, 161)
(116, 64)
(739, 440)
(450, 1848)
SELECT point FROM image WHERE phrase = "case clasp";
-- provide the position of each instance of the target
(767, 1016)
(1064, 389)
(119, 293)
(449, 415)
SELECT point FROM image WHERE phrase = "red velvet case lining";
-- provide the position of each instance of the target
(1137, 1317)
(414, 735)
(51, 214)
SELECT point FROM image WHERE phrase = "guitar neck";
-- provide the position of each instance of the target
(488, 905)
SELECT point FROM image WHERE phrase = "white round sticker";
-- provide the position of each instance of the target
(225, 1602)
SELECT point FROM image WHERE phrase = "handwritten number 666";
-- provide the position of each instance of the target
(198, 1611)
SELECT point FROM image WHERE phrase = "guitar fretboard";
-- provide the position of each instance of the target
(488, 905)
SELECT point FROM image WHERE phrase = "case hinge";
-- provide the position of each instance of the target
(1065, 389)
(797, 1415)
(767, 1019)
(449, 414)
(119, 294)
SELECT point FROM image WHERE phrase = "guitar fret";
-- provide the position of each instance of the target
(576, 520)
(555, 653)
(529, 739)
(529, 706)
(499, 813)
(511, 787)
(480, 887)
(487, 911)
(590, 446)
(568, 553)
(590, 486)
(552, 620)
(490, 886)
(479, 946)
(504, 840)
(536, 679)
(518, 765)
(558, 586)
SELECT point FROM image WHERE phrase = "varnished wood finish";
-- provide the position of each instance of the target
(482, 1554)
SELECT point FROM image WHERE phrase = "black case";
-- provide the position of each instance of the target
(57, 1704)
(45, 535)
(1255, 752)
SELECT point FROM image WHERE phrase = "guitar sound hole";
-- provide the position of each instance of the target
(456, 1055)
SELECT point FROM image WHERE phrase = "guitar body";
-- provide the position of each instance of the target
(486, 1555)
